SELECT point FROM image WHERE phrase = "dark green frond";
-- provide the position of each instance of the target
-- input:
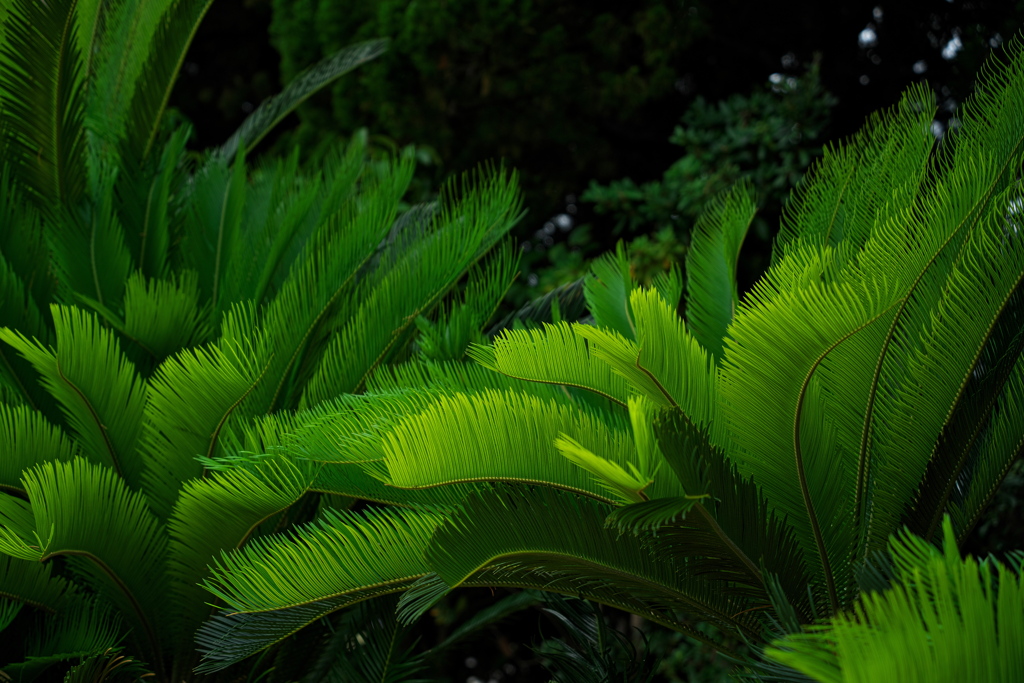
(27, 439)
(239, 500)
(166, 53)
(275, 586)
(272, 110)
(559, 541)
(42, 100)
(711, 297)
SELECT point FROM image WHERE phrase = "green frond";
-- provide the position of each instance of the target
(560, 542)
(450, 377)
(97, 388)
(164, 316)
(946, 619)
(494, 436)
(192, 397)
(962, 365)
(239, 500)
(33, 583)
(151, 197)
(411, 280)
(212, 226)
(731, 529)
(121, 43)
(964, 221)
(165, 55)
(864, 182)
(666, 364)
(300, 318)
(711, 296)
(553, 354)
(80, 631)
(369, 644)
(273, 110)
(992, 455)
(606, 291)
(19, 310)
(459, 320)
(275, 586)
(42, 100)
(118, 547)
(565, 302)
(89, 255)
(27, 439)
(650, 515)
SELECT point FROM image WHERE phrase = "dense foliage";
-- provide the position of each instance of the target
(745, 464)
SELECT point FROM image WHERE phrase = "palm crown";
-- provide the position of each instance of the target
(744, 464)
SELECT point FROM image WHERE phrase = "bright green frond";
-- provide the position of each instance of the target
(119, 546)
(553, 354)
(494, 436)
(97, 388)
(946, 619)
(607, 290)
(272, 110)
(711, 297)
(192, 396)
(962, 365)
(275, 586)
(27, 439)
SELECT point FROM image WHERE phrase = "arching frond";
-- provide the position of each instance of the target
(553, 354)
(191, 398)
(607, 290)
(118, 547)
(27, 439)
(163, 316)
(42, 102)
(166, 53)
(559, 540)
(945, 619)
(239, 500)
(273, 110)
(406, 283)
(275, 586)
(501, 437)
(97, 388)
(711, 296)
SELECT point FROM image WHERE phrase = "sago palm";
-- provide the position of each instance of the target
(153, 301)
(739, 465)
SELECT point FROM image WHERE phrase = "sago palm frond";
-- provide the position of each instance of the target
(944, 619)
